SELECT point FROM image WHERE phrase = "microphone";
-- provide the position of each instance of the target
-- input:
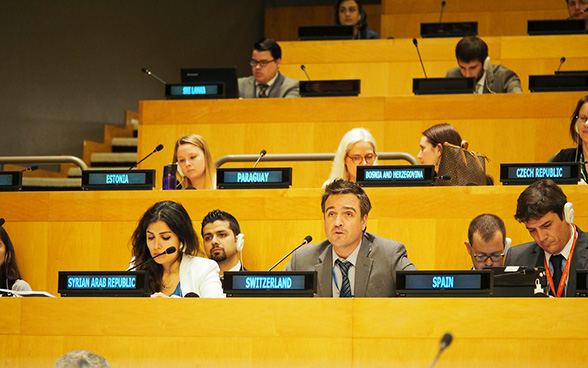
(261, 154)
(443, 177)
(561, 61)
(416, 44)
(157, 149)
(306, 240)
(443, 3)
(445, 342)
(2, 221)
(148, 72)
(30, 168)
(304, 70)
(169, 250)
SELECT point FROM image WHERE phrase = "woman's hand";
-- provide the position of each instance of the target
(159, 295)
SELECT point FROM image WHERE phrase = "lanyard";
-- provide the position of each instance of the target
(564, 275)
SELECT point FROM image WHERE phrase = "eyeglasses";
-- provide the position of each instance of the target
(358, 159)
(581, 119)
(484, 257)
(262, 63)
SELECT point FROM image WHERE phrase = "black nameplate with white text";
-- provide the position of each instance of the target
(527, 173)
(258, 178)
(395, 175)
(10, 181)
(443, 86)
(103, 283)
(444, 283)
(270, 284)
(118, 179)
(582, 283)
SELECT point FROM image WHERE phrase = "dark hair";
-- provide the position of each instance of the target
(574, 119)
(441, 133)
(269, 44)
(471, 48)
(362, 22)
(538, 199)
(218, 215)
(178, 220)
(341, 186)
(486, 225)
(9, 270)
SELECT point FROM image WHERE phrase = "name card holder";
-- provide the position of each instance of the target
(195, 91)
(395, 175)
(258, 178)
(581, 283)
(442, 86)
(559, 82)
(10, 181)
(118, 179)
(449, 29)
(330, 88)
(527, 173)
(270, 284)
(444, 283)
(103, 283)
(555, 27)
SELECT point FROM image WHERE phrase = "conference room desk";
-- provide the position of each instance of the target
(387, 67)
(90, 231)
(402, 19)
(265, 332)
(507, 128)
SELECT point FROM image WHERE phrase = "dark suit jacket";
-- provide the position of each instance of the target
(530, 254)
(499, 79)
(282, 87)
(375, 272)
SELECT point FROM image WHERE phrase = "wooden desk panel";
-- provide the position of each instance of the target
(431, 222)
(396, 332)
(507, 128)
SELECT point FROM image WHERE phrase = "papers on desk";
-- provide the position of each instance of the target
(20, 294)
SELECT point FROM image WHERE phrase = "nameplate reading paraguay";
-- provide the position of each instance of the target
(270, 177)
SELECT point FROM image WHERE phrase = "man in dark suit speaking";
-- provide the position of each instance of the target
(559, 246)
(267, 81)
(351, 262)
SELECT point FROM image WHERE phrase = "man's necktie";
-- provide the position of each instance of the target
(556, 262)
(345, 290)
(262, 90)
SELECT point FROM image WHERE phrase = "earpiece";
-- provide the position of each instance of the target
(182, 247)
(487, 63)
(569, 213)
(179, 170)
(507, 243)
(240, 242)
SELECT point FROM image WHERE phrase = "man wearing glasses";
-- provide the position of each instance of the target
(487, 241)
(267, 81)
(351, 262)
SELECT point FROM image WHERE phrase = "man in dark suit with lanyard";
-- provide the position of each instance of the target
(267, 81)
(559, 246)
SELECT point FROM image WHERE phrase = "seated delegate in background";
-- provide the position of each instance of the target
(164, 225)
(195, 170)
(357, 147)
(578, 9)
(267, 81)
(432, 143)
(10, 277)
(472, 57)
(487, 242)
(350, 13)
(579, 133)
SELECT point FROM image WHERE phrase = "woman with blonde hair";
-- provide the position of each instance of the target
(195, 170)
(357, 147)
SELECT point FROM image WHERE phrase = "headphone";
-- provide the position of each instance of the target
(179, 170)
(240, 242)
(569, 213)
(486, 63)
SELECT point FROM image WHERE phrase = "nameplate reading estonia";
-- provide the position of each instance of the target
(244, 282)
(117, 178)
(102, 282)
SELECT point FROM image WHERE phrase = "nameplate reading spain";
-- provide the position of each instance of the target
(118, 179)
(273, 177)
(395, 175)
(560, 172)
